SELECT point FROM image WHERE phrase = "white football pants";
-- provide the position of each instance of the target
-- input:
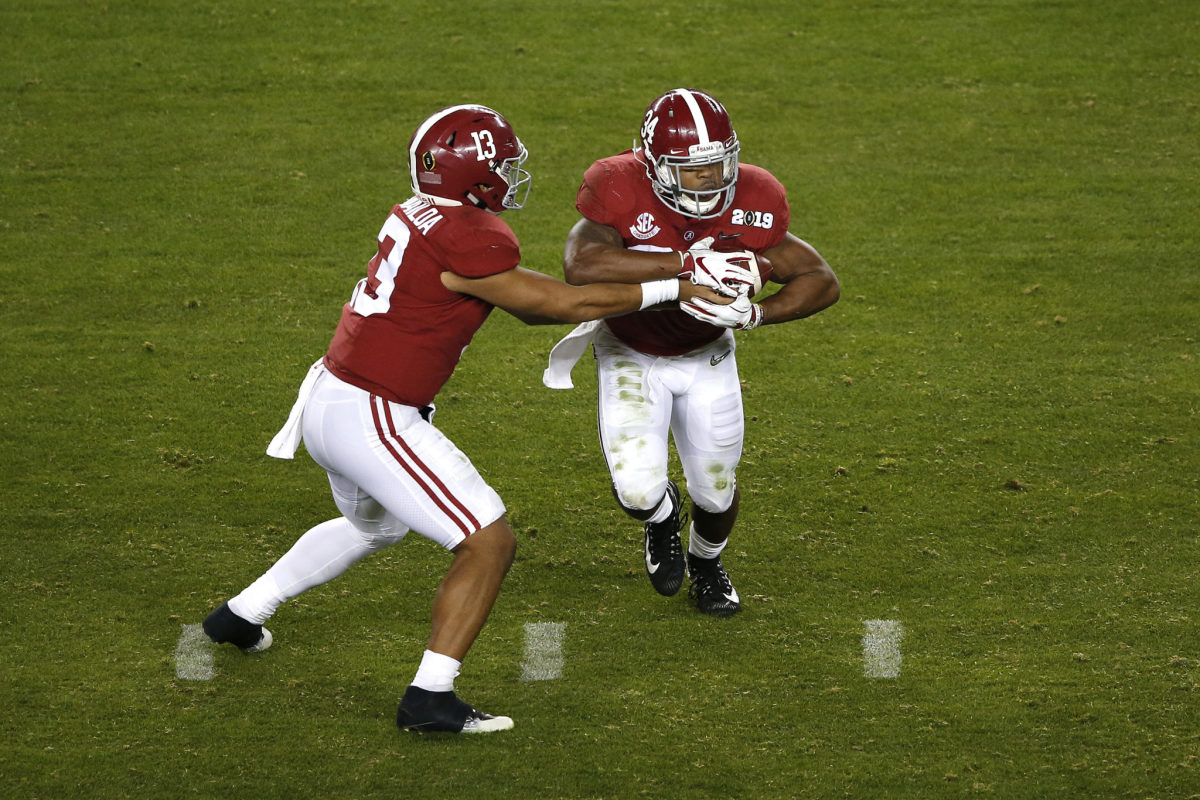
(390, 471)
(696, 397)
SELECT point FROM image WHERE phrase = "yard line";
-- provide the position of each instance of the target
(881, 648)
(543, 651)
(193, 655)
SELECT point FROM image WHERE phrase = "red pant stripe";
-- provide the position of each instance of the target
(417, 469)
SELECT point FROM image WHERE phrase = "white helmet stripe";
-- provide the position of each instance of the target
(420, 134)
(694, 107)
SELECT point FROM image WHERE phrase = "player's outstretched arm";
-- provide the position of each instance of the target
(538, 299)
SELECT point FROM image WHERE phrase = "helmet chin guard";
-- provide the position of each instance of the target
(687, 128)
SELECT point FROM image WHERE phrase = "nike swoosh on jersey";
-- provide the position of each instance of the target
(714, 360)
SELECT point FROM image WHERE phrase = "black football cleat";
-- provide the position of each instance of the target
(223, 626)
(664, 549)
(711, 588)
(424, 711)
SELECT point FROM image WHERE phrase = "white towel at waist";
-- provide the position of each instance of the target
(286, 442)
(566, 353)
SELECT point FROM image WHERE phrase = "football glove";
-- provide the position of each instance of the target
(740, 315)
(727, 273)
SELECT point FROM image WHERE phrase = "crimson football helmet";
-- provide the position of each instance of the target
(468, 154)
(689, 128)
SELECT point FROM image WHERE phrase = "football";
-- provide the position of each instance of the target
(760, 272)
(736, 270)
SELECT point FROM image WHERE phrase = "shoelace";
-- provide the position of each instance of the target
(712, 580)
(665, 535)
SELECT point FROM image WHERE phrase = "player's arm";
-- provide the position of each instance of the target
(809, 284)
(538, 299)
(596, 253)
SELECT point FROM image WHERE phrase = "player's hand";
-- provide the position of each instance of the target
(740, 315)
(690, 291)
(728, 273)
(693, 268)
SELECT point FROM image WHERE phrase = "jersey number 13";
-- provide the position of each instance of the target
(373, 294)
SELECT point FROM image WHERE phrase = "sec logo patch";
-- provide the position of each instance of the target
(645, 227)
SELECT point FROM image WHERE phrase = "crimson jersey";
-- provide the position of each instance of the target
(403, 332)
(617, 192)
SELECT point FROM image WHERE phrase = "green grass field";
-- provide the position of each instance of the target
(993, 439)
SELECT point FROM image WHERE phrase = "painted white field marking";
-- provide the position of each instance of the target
(881, 648)
(193, 655)
(543, 651)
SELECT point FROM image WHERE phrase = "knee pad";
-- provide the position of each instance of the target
(374, 525)
(380, 536)
(640, 495)
(713, 492)
(638, 466)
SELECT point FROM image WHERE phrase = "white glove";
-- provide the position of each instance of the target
(727, 273)
(740, 315)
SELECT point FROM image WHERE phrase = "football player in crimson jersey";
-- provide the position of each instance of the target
(645, 213)
(444, 259)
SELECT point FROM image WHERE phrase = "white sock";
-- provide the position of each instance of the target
(701, 547)
(319, 556)
(663, 510)
(436, 673)
(258, 601)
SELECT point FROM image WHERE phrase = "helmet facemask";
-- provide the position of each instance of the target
(516, 178)
(697, 203)
(507, 173)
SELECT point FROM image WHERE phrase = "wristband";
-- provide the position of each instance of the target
(655, 292)
(757, 315)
